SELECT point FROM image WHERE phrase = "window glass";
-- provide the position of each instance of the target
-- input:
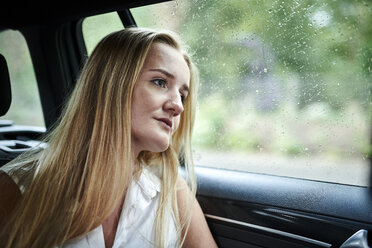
(285, 85)
(25, 108)
(97, 27)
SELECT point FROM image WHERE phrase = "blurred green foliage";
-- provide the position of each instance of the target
(326, 44)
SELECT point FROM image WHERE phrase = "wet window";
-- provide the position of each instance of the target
(25, 108)
(285, 85)
(97, 27)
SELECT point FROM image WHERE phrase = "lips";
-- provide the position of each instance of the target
(166, 121)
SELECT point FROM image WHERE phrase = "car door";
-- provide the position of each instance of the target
(282, 136)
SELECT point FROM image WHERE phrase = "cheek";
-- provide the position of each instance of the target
(135, 112)
(141, 103)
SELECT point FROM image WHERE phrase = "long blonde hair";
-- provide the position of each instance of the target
(81, 176)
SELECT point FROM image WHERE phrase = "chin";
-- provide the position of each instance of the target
(163, 148)
(160, 146)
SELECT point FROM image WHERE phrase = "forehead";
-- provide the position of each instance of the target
(165, 57)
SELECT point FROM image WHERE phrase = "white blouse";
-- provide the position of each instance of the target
(136, 224)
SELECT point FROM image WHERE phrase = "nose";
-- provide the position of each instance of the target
(174, 105)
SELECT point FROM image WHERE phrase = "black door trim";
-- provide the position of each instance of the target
(268, 231)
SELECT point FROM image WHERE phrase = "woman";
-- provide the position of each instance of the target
(109, 176)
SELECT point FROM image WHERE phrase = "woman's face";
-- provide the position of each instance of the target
(158, 97)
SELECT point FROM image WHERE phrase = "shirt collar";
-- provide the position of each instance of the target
(149, 183)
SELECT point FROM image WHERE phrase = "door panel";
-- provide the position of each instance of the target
(228, 232)
(255, 210)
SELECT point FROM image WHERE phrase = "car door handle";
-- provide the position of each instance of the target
(358, 240)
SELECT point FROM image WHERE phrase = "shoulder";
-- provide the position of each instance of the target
(185, 198)
(198, 233)
(9, 195)
(181, 183)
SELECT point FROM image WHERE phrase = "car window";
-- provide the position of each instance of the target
(285, 85)
(97, 27)
(25, 108)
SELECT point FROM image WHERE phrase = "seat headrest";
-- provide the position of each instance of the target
(5, 90)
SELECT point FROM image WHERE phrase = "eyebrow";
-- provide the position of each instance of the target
(170, 75)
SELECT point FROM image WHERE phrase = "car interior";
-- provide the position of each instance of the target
(243, 209)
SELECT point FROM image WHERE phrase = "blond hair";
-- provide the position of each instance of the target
(81, 176)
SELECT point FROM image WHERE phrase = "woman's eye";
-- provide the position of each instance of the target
(160, 82)
(182, 98)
